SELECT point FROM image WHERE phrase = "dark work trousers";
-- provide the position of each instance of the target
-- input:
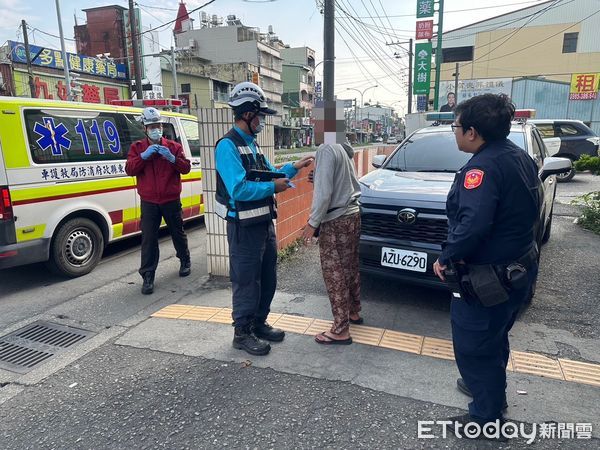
(252, 269)
(152, 214)
(481, 349)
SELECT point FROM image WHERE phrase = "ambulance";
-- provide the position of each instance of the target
(64, 193)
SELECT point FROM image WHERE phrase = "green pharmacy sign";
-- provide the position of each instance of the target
(422, 75)
(424, 8)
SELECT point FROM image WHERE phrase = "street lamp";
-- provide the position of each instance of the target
(362, 93)
(401, 106)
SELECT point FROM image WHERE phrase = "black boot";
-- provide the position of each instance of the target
(185, 268)
(148, 286)
(462, 387)
(245, 339)
(265, 331)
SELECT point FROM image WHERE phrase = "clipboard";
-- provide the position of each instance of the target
(263, 175)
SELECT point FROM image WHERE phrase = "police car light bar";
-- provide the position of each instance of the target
(525, 114)
(162, 102)
(440, 116)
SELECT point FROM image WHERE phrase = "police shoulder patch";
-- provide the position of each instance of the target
(473, 179)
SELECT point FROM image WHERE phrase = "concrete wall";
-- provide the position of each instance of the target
(220, 45)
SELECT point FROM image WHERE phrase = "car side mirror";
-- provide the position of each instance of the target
(553, 166)
(378, 161)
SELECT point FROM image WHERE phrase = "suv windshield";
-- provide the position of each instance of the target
(434, 152)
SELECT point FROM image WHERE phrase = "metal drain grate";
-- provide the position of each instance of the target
(24, 349)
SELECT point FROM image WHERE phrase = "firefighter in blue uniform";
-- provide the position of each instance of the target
(493, 216)
(246, 184)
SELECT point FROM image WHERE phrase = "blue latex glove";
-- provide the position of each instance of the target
(148, 152)
(166, 153)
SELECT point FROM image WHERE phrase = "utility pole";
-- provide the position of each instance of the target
(410, 64)
(455, 74)
(410, 74)
(64, 52)
(438, 54)
(329, 49)
(28, 56)
(174, 72)
(136, 53)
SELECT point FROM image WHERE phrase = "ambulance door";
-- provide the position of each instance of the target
(192, 137)
(173, 132)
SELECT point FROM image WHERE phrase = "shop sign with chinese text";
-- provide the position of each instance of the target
(46, 57)
(424, 30)
(53, 87)
(471, 88)
(584, 86)
(425, 8)
(422, 73)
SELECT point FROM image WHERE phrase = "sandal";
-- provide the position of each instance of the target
(358, 321)
(331, 341)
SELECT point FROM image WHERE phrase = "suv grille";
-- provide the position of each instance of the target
(432, 231)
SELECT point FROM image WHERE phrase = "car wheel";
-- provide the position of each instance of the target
(567, 176)
(76, 248)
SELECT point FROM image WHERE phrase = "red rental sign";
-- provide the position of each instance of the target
(424, 29)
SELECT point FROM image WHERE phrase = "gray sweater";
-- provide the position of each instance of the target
(336, 187)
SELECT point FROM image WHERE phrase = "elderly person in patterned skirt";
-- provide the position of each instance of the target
(335, 213)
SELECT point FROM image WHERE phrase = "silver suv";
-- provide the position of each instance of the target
(403, 203)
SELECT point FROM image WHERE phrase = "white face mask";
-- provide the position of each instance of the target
(260, 126)
(154, 134)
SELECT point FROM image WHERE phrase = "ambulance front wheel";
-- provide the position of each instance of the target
(76, 248)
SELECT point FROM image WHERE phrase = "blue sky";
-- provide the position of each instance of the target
(362, 57)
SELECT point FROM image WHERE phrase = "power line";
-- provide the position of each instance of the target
(177, 18)
(513, 34)
(362, 67)
(450, 11)
(495, 26)
(375, 52)
(156, 7)
(535, 43)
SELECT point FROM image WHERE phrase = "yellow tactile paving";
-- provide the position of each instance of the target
(366, 335)
(223, 316)
(437, 348)
(404, 342)
(318, 326)
(536, 365)
(580, 372)
(273, 317)
(509, 366)
(200, 313)
(522, 362)
(172, 311)
(293, 324)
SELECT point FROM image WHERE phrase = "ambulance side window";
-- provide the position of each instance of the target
(190, 128)
(69, 136)
(169, 130)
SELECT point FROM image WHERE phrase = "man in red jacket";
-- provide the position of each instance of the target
(158, 164)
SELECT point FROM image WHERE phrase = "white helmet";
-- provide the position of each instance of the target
(248, 96)
(151, 115)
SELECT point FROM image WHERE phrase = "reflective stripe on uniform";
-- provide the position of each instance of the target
(245, 150)
(252, 213)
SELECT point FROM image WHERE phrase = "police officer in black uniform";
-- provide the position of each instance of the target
(246, 185)
(493, 214)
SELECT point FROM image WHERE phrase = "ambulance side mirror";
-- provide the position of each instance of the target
(553, 165)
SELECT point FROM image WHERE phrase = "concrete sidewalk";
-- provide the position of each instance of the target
(384, 370)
